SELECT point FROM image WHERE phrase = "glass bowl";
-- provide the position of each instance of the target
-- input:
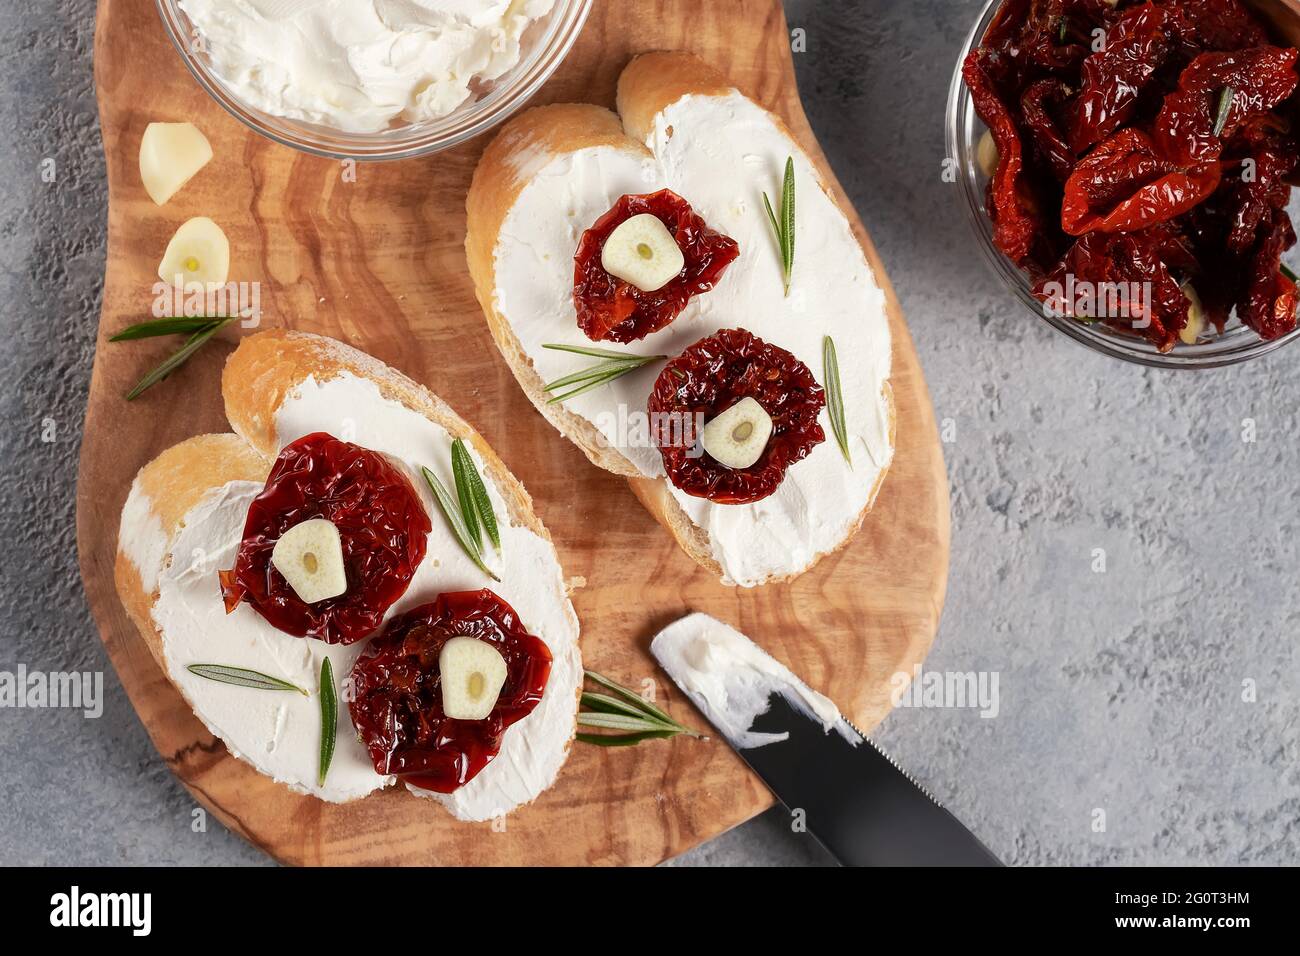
(1236, 343)
(543, 47)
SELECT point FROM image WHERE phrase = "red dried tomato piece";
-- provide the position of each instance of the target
(1124, 186)
(613, 310)
(1269, 303)
(1114, 77)
(1125, 281)
(1259, 78)
(1258, 189)
(1036, 105)
(396, 702)
(382, 524)
(710, 377)
(1010, 209)
(1200, 25)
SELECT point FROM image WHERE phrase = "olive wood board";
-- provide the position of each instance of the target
(377, 259)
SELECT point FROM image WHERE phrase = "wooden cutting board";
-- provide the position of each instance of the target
(379, 263)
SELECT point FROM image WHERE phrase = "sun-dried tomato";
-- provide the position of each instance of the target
(1124, 186)
(396, 701)
(1036, 106)
(1115, 76)
(1269, 303)
(1208, 25)
(1124, 281)
(382, 525)
(1110, 169)
(1258, 79)
(1014, 223)
(611, 309)
(710, 377)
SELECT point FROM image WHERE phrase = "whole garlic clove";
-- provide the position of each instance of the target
(310, 556)
(1195, 317)
(170, 155)
(472, 673)
(986, 155)
(643, 252)
(737, 437)
(198, 252)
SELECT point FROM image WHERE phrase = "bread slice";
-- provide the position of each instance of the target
(264, 384)
(578, 157)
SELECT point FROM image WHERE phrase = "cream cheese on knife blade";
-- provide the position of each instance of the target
(731, 680)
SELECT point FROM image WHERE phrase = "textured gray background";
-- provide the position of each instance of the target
(1119, 690)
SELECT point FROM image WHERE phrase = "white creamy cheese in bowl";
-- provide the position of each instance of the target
(372, 78)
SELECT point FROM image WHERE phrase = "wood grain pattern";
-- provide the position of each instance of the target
(380, 264)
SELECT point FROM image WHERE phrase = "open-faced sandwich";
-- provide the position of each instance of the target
(671, 308)
(352, 590)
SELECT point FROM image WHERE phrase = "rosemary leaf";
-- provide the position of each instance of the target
(180, 325)
(620, 722)
(329, 718)
(468, 512)
(479, 494)
(585, 350)
(604, 704)
(629, 712)
(774, 222)
(451, 512)
(1286, 271)
(1225, 107)
(586, 374)
(613, 365)
(835, 398)
(242, 677)
(783, 224)
(192, 345)
(623, 740)
(630, 696)
(787, 220)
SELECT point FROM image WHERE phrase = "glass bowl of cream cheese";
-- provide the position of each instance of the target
(372, 79)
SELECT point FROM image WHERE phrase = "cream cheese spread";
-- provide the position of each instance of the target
(278, 732)
(720, 153)
(360, 65)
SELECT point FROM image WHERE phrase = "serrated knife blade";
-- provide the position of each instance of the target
(850, 796)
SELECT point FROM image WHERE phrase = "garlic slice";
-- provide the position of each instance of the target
(170, 155)
(310, 556)
(737, 437)
(198, 252)
(643, 252)
(472, 673)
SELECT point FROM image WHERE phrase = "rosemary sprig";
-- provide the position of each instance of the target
(783, 226)
(458, 522)
(329, 719)
(1286, 271)
(177, 325)
(242, 677)
(196, 341)
(475, 504)
(1225, 107)
(835, 398)
(613, 365)
(628, 712)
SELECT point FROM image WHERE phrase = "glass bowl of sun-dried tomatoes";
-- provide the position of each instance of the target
(1127, 166)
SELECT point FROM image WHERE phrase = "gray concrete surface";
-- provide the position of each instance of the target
(1156, 697)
